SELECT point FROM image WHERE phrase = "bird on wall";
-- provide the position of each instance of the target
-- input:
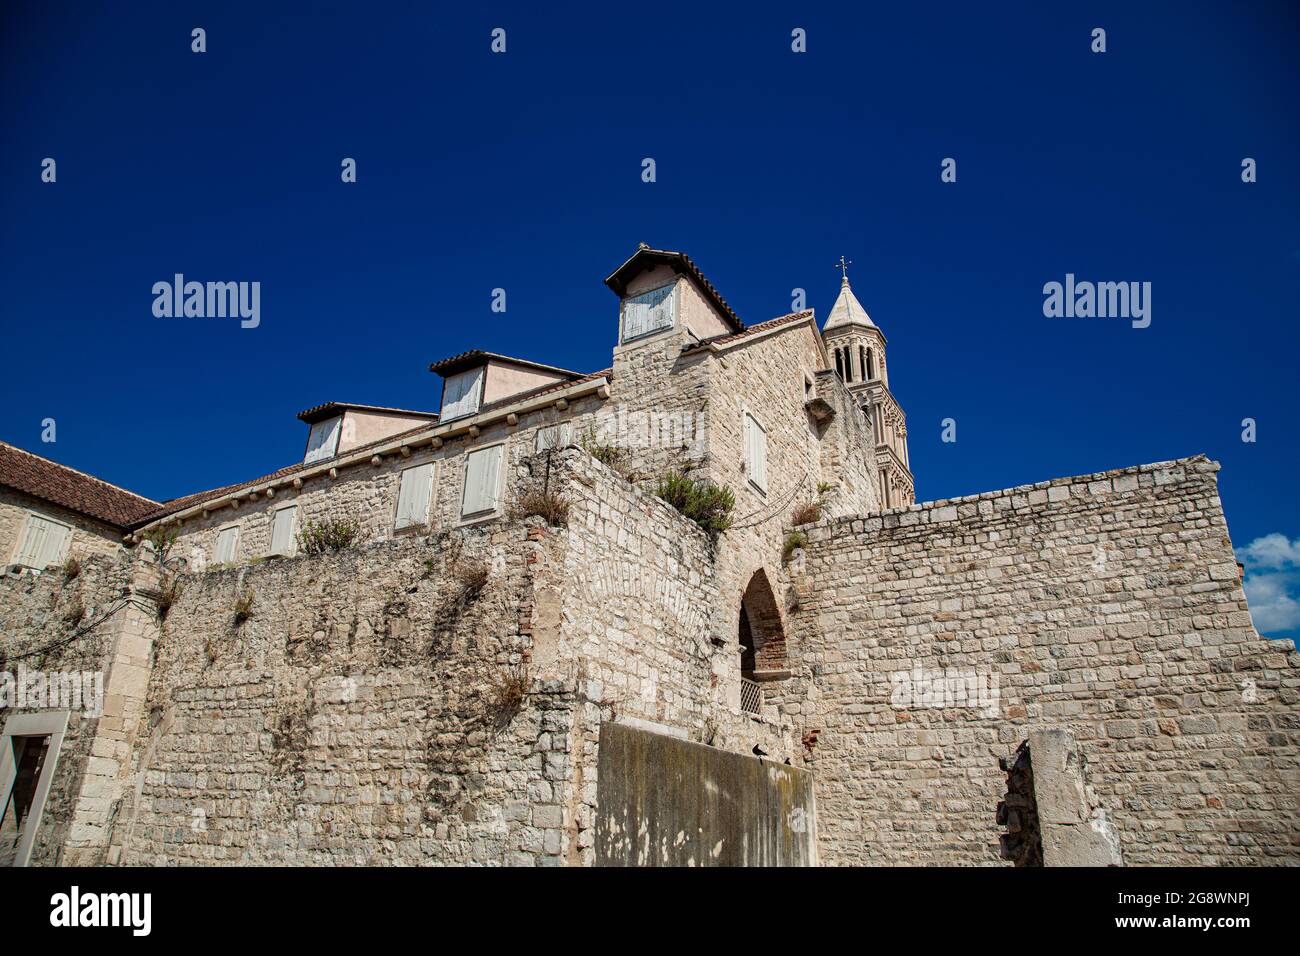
(759, 751)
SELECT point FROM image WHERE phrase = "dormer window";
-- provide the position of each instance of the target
(323, 442)
(462, 394)
(649, 312)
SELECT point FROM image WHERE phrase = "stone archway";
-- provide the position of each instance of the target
(762, 635)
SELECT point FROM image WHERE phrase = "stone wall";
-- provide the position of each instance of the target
(89, 537)
(938, 637)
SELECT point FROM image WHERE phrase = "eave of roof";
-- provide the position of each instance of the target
(319, 413)
(476, 357)
(644, 257)
(69, 488)
(421, 434)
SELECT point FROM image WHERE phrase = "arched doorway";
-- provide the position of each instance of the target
(762, 638)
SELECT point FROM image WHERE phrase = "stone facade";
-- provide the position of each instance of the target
(937, 638)
(89, 537)
(437, 693)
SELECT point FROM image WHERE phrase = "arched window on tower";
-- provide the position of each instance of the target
(839, 364)
(868, 365)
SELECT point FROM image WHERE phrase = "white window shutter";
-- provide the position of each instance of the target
(56, 543)
(282, 530)
(323, 441)
(482, 479)
(226, 541)
(413, 495)
(553, 436)
(648, 312)
(44, 543)
(461, 394)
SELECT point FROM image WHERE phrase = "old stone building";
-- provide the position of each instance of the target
(682, 610)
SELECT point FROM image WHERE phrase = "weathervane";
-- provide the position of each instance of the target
(843, 266)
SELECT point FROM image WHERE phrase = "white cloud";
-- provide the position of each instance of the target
(1271, 551)
(1271, 607)
(1272, 582)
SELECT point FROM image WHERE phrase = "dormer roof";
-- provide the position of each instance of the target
(646, 258)
(476, 357)
(320, 413)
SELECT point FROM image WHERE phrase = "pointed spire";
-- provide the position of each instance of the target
(847, 310)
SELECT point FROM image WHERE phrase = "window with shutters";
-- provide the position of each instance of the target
(649, 312)
(553, 436)
(755, 452)
(482, 482)
(227, 540)
(323, 442)
(462, 394)
(45, 542)
(282, 520)
(414, 494)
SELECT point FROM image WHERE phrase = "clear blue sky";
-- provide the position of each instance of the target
(522, 171)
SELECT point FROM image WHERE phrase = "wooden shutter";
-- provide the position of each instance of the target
(648, 312)
(44, 543)
(226, 539)
(553, 436)
(482, 480)
(413, 495)
(461, 393)
(282, 530)
(323, 441)
(755, 452)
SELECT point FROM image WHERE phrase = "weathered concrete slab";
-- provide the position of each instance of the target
(662, 801)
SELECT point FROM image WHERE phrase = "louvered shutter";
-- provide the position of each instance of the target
(413, 495)
(647, 312)
(322, 441)
(43, 543)
(482, 479)
(755, 452)
(282, 530)
(226, 539)
(55, 544)
(553, 436)
(461, 394)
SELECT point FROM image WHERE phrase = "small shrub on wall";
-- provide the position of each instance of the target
(331, 534)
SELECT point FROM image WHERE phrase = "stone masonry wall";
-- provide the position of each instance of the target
(938, 637)
(89, 537)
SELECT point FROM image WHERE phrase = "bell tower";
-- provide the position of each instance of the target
(857, 350)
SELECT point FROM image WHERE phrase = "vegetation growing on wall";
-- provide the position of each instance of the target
(708, 505)
(329, 534)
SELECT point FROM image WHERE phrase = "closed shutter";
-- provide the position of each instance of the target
(282, 530)
(755, 452)
(482, 481)
(226, 540)
(461, 393)
(413, 495)
(647, 312)
(44, 543)
(553, 436)
(323, 441)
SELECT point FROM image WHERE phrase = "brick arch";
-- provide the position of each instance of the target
(762, 634)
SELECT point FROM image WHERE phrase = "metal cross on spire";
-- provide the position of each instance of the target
(843, 266)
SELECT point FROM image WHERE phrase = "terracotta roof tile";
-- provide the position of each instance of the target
(69, 488)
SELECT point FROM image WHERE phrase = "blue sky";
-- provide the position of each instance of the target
(523, 171)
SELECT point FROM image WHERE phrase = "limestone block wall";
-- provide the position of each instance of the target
(938, 637)
(368, 710)
(89, 537)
